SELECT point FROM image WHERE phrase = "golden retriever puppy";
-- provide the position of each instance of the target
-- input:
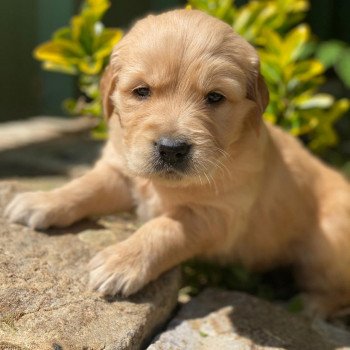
(189, 149)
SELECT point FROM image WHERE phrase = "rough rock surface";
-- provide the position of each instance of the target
(225, 320)
(44, 303)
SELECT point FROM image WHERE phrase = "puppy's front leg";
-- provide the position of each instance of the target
(100, 191)
(157, 246)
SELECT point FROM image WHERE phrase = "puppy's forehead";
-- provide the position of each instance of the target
(190, 32)
(178, 40)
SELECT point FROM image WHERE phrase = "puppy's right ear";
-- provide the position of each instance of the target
(107, 85)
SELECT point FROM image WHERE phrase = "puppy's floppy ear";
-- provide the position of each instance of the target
(257, 91)
(107, 85)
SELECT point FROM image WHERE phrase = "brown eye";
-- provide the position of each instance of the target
(142, 92)
(214, 97)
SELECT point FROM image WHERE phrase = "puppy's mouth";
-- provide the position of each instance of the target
(171, 171)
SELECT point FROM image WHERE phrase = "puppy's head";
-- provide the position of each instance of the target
(183, 88)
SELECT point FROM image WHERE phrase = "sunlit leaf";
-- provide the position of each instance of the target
(56, 53)
(95, 8)
(343, 67)
(105, 42)
(315, 101)
(90, 67)
(306, 70)
(295, 41)
(76, 26)
(274, 43)
(61, 68)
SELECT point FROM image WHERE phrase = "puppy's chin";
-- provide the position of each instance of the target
(169, 177)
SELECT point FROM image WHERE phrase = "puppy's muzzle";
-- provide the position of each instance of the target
(172, 154)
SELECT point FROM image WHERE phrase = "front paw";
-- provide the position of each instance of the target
(38, 210)
(119, 269)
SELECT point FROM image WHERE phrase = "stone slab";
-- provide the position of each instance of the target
(224, 320)
(44, 303)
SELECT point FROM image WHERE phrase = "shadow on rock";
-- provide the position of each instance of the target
(218, 319)
(76, 228)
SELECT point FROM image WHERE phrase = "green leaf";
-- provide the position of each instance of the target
(95, 8)
(330, 52)
(61, 68)
(69, 47)
(87, 33)
(62, 33)
(343, 67)
(90, 66)
(308, 69)
(222, 9)
(324, 135)
(105, 42)
(70, 105)
(271, 72)
(76, 24)
(246, 15)
(295, 41)
(56, 53)
(296, 304)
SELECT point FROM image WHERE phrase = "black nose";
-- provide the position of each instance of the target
(172, 151)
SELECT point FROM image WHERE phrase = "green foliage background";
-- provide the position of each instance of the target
(288, 62)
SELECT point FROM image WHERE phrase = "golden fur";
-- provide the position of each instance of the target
(252, 193)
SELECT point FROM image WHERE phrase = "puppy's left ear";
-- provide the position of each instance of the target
(257, 91)
(107, 85)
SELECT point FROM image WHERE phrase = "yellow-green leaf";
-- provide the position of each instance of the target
(91, 67)
(95, 8)
(315, 101)
(295, 41)
(62, 33)
(106, 41)
(76, 27)
(70, 47)
(55, 53)
(306, 70)
(61, 68)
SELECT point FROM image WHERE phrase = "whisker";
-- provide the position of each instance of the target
(219, 165)
(225, 155)
(224, 166)
(197, 173)
(214, 183)
(205, 174)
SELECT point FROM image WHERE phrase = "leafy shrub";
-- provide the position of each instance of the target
(292, 75)
(82, 49)
(273, 26)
